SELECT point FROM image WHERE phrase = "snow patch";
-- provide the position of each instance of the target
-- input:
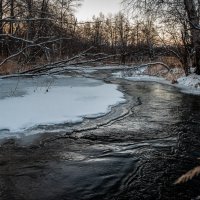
(65, 103)
(135, 77)
(192, 80)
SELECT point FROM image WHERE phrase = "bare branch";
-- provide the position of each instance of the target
(16, 38)
(55, 64)
(31, 46)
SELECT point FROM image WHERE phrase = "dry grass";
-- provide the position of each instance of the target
(188, 176)
(156, 70)
(161, 71)
(12, 66)
(177, 73)
(171, 61)
(9, 68)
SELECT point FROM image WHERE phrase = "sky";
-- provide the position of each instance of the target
(94, 7)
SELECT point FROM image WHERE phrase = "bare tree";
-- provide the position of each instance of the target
(181, 12)
(1, 16)
(194, 21)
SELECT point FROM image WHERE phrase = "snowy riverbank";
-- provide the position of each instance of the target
(189, 84)
(176, 77)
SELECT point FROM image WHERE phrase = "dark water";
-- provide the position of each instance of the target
(138, 156)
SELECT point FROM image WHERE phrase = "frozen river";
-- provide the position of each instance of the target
(136, 151)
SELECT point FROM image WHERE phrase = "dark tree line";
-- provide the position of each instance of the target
(33, 28)
(45, 32)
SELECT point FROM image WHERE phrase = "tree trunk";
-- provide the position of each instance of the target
(1, 26)
(198, 61)
(1, 16)
(193, 17)
(11, 16)
(42, 30)
(30, 31)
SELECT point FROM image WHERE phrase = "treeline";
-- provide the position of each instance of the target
(50, 29)
(35, 28)
(180, 20)
(118, 35)
(36, 32)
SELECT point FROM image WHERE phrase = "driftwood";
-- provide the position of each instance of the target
(53, 65)
(61, 66)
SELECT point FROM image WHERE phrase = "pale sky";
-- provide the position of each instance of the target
(94, 7)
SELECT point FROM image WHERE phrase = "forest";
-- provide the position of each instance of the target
(39, 33)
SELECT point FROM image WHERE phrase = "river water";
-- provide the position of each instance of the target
(136, 152)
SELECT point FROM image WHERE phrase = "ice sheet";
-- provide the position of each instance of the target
(61, 103)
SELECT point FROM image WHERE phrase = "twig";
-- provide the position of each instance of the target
(30, 46)
(47, 67)
(188, 176)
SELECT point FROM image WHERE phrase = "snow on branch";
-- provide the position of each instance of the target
(16, 38)
(25, 19)
(48, 66)
(32, 44)
(79, 59)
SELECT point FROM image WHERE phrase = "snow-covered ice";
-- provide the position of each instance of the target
(66, 101)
